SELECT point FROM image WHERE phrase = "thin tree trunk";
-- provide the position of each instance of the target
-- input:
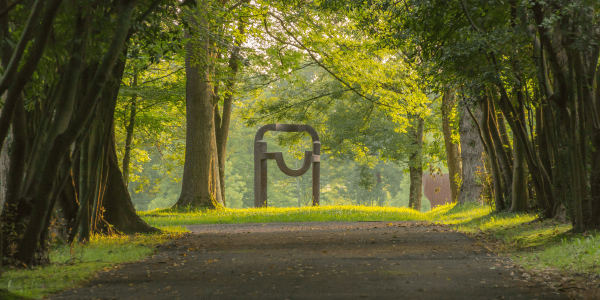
(520, 197)
(504, 160)
(129, 130)
(471, 155)
(491, 150)
(224, 120)
(378, 189)
(5, 54)
(15, 81)
(452, 149)
(504, 136)
(594, 220)
(416, 165)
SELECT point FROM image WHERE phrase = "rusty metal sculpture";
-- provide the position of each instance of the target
(261, 155)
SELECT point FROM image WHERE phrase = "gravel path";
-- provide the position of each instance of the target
(317, 260)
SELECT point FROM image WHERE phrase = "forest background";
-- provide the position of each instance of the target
(154, 104)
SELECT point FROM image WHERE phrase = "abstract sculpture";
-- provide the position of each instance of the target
(261, 155)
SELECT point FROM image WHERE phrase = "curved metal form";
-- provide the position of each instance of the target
(286, 128)
(294, 173)
(261, 156)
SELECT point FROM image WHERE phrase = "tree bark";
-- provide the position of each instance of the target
(416, 165)
(200, 183)
(504, 160)
(129, 130)
(5, 54)
(471, 155)
(520, 197)
(452, 150)
(223, 121)
(119, 210)
(491, 150)
(42, 190)
(504, 136)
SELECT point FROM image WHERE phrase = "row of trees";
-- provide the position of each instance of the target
(530, 64)
(63, 64)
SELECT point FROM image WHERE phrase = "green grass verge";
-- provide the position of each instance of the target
(537, 246)
(73, 265)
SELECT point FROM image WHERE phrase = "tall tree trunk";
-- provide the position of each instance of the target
(5, 54)
(520, 197)
(471, 155)
(416, 165)
(223, 120)
(129, 130)
(378, 189)
(594, 220)
(200, 183)
(504, 160)
(452, 149)
(491, 150)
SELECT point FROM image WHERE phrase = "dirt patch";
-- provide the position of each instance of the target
(318, 260)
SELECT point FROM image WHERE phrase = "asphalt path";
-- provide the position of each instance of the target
(318, 260)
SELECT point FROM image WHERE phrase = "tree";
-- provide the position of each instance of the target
(452, 147)
(209, 81)
(472, 150)
(416, 165)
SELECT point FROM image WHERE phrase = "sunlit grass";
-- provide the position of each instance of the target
(572, 254)
(171, 217)
(72, 265)
(534, 245)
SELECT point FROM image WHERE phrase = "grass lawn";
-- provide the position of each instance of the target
(72, 266)
(534, 245)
